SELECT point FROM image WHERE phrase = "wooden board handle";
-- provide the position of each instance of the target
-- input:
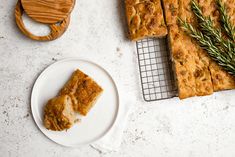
(56, 29)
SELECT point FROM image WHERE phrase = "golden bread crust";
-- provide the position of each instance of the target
(145, 19)
(182, 63)
(220, 78)
(59, 114)
(196, 73)
(83, 90)
(191, 63)
(78, 95)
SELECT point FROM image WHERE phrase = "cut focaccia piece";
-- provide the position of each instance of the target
(59, 114)
(171, 11)
(178, 8)
(83, 91)
(183, 64)
(190, 65)
(145, 19)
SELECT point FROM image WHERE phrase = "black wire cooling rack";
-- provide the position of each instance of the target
(156, 74)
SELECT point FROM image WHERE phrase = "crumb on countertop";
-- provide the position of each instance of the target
(54, 59)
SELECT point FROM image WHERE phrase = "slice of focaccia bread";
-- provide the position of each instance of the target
(190, 65)
(83, 91)
(145, 19)
(59, 114)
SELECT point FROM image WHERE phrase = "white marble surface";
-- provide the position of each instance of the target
(194, 127)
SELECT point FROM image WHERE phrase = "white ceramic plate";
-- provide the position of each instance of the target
(98, 121)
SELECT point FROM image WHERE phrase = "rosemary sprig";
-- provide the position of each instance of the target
(207, 27)
(228, 63)
(206, 23)
(226, 21)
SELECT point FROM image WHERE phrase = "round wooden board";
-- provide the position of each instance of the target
(48, 11)
(57, 29)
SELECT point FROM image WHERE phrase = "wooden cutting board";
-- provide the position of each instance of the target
(48, 11)
(57, 29)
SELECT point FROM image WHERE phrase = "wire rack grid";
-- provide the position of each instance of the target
(157, 79)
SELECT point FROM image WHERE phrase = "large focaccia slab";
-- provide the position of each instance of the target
(196, 74)
(145, 19)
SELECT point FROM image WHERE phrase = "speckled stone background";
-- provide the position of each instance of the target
(202, 126)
